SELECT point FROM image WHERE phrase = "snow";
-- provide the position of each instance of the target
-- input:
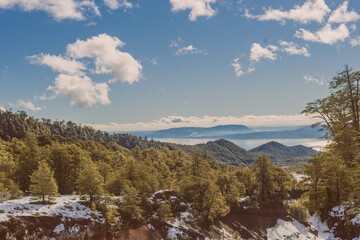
(356, 221)
(179, 225)
(289, 230)
(150, 226)
(338, 212)
(323, 230)
(65, 206)
(299, 177)
(59, 228)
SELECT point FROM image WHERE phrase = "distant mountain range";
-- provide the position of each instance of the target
(200, 132)
(227, 152)
(236, 132)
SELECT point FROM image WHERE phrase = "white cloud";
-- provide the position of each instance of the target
(238, 68)
(28, 105)
(2, 109)
(311, 10)
(326, 35)
(190, 49)
(198, 8)
(294, 49)
(73, 81)
(116, 4)
(207, 121)
(81, 90)
(257, 52)
(239, 72)
(355, 42)
(108, 59)
(342, 15)
(57, 9)
(309, 79)
(58, 63)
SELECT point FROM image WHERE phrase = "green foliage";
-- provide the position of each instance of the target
(334, 173)
(90, 182)
(298, 210)
(271, 182)
(43, 182)
(130, 205)
(164, 212)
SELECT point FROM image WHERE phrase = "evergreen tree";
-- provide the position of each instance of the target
(43, 182)
(90, 182)
(265, 180)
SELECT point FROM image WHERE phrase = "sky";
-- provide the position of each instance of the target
(151, 64)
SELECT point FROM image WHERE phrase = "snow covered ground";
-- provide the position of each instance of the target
(295, 230)
(65, 206)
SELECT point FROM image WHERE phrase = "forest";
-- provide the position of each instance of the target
(46, 158)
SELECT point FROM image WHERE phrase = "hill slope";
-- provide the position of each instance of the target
(281, 153)
(228, 152)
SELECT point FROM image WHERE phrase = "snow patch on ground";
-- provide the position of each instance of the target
(289, 230)
(323, 230)
(356, 221)
(338, 212)
(299, 177)
(65, 206)
(59, 228)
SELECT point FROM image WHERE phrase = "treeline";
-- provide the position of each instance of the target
(18, 124)
(67, 164)
(334, 175)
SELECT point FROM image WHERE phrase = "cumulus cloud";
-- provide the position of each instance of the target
(58, 63)
(198, 8)
(355, 42)
(108, 58)
(318, 81)
(58, 10)
(326, 35)
(207, 121)
(27, 105)
(257, 52)
(342, 15)
(116, 4)
(81, 90)
(2, 109)
(292, 48)
(73, 80)
(311, 10)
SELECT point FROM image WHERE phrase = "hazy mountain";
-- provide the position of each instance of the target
(303, 132)
(236, 132)
(228, 152)
(199, 132)
(284, 154)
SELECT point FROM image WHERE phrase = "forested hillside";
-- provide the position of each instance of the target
(93, 163)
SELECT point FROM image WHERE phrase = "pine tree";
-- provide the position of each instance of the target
(43, 182)
(265, 178)
(90, 182)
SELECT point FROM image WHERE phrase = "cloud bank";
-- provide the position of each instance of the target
(207, 121)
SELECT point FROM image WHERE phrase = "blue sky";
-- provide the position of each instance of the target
(134, 65)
